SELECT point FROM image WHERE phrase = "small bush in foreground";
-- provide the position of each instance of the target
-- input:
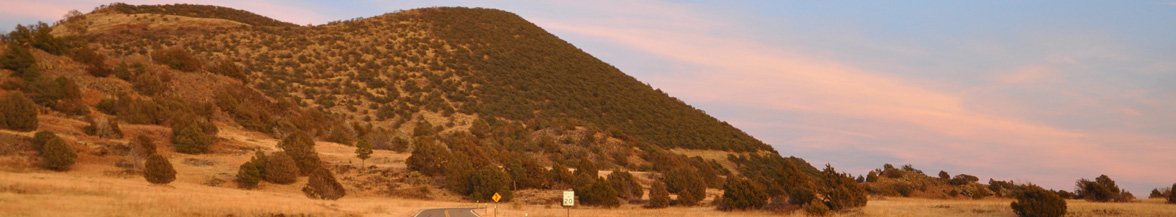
(1037, 202)
(248, 175)
(322, 185)
(57, 155)
(281, 169)
(158, 170)
(41, 138)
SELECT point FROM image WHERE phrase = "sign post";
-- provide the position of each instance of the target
(569, 200)
(496, 197)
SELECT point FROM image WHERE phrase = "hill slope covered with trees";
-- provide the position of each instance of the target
(482, 98)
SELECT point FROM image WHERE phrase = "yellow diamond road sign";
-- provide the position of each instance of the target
(496, 197)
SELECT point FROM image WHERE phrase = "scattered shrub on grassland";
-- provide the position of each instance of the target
(322, 185)
(192, 139)
(300, 147)
(248, 175)
(1102, 189)
(1037, 202)
(18, 112)
(280, 169)
(57, 155)
(158, 170)
(42, 137)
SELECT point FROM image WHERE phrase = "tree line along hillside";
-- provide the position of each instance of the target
(201, 11)
(482, 99)
(907, 181)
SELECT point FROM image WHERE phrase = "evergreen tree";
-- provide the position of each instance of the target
(42, 137)
(259, 161)
(281, 169)
(57, 155)
(526, 173)
(399, 145)
(742, 194)
(840, 191)
(600, 193)
(363, 151)
(1172, 194)
(322, 185)
(659, 197)
(560, 174)
(797, 184)
(191, 139)
(687, 197)
(489, 180)
(423, 129)
(943, 175)
(18, 112)
(95, 63)
(684, 182)
(20, 60)
(428, 157)
(626, 185)
(1102, 189)
(300, 147)
(248, 175)
(585, 174)
(458, 174)
(1037, 202)
(158, 170)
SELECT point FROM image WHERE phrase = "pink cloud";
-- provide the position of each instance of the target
(938, 127)
(47, 12)
(1025, 74)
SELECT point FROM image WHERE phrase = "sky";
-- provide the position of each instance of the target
(1045, 92)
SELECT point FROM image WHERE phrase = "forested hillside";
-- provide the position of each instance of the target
(484, 101)
(482, 62)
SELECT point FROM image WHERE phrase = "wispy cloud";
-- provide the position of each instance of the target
(1024, 74)
(839, 106)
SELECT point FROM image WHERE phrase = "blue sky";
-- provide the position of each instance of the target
(1032, 91)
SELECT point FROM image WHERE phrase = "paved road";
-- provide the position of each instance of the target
(448, 212)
